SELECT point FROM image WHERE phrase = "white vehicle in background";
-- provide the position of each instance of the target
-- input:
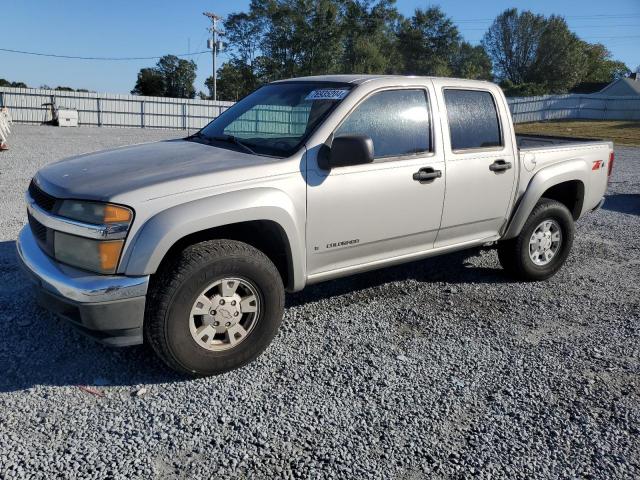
(5, 127)
(190, 244)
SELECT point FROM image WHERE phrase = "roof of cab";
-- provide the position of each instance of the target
(355, 79)
(358, 79)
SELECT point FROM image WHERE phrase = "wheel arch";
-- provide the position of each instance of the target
(564, 182)
(265, 218)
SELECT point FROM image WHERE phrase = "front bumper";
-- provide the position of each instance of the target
(109, 308)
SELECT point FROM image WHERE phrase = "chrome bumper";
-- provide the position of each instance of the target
(71, 283)
(108, 308)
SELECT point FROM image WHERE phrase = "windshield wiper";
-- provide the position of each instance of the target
(199, 136)
(235, 141)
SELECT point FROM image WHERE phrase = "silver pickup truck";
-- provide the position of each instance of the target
(190, 244)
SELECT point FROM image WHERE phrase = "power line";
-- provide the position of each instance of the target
(574, 27)
(53, 55)
(576, 17)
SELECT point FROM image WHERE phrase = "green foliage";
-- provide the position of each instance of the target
(149, 83)
(471, 62)
(531, 54)
(178, 75)
(279, 39)
(369, 41)
(428, 43)
(559, 61)
(512, 43)
(171, 77)
(599, 65)
(539, 54)
(235, 80)
(523, 89)
(7, 83)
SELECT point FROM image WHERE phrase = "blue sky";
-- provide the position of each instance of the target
(144, 28)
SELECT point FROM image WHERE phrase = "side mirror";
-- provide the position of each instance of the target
(348, 150)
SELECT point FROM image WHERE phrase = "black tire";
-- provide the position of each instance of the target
(514, 253)
(175, 289)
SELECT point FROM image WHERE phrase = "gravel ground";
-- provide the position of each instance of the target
(438, 369)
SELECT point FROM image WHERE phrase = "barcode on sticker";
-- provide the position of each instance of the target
(327, 94)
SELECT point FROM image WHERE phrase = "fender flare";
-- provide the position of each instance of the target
(159, 233)
(574, 170)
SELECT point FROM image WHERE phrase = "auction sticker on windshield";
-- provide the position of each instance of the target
(327, 94)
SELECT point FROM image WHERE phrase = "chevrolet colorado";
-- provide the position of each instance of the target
(190, 244)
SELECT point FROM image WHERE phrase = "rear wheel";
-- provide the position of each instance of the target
(214, 308)
(542, 246)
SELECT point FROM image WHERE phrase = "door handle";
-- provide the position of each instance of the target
(500, 166)
(426, 174)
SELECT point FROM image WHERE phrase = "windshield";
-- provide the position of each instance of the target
(275, 119)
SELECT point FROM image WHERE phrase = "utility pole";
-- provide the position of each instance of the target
(213, 44)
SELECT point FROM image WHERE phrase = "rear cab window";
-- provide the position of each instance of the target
(398, 122)
(473, 119)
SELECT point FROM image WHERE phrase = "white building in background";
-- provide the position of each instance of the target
(623, 87)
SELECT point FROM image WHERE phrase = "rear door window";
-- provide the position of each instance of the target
(473, 119)
(396, 120)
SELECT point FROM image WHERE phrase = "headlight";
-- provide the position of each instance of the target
(96, 255)
(99, 256)
(94, 212)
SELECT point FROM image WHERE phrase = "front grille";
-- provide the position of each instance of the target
(42, 234)
(39, 231)
(42, 199)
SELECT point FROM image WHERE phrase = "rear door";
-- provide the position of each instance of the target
(481, 163)
(362, 214)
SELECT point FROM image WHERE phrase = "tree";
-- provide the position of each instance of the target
(244, 33)
(428, 43)
(512, 43)
(599, 65)
(559, 59)
(369, 37)
(510, 89)
(178, 76)
(171, 77)
(538, 54)
(149, 83)
(235, 80)
(6, 83)
(320, 33)
(471, 62)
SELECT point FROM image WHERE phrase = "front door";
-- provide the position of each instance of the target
(362, 214)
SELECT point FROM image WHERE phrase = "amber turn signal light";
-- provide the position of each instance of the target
(109, 252)
(116, 214)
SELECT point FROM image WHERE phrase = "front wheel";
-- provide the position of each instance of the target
(214, 308)
(542, 246)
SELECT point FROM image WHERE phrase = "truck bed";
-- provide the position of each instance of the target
(528, 141)
(540, 151)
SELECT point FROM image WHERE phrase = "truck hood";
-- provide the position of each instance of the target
(169, 167)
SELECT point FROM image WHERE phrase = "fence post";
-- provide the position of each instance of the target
(99, 111)
(579, 107)
(142, 114)
(1, 99)
(184, 116)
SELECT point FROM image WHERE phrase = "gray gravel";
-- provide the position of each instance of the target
(438, 369)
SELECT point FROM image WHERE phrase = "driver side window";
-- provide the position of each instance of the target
(396, 120)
